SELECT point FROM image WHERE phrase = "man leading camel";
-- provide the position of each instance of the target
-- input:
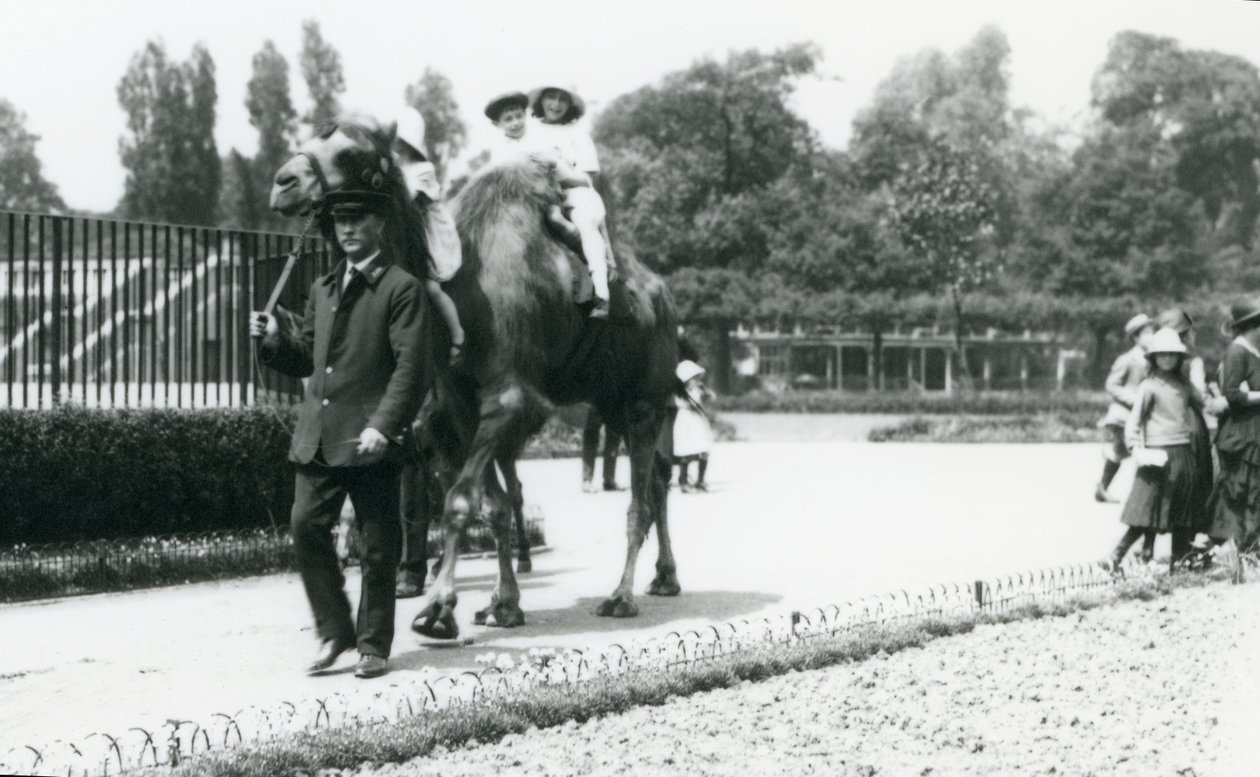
(360, 346)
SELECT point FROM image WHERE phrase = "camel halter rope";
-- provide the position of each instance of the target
(289, 263)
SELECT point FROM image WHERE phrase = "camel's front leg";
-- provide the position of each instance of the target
(498, 408)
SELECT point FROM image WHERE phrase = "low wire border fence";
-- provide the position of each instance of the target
(98, 566)
(179, 740)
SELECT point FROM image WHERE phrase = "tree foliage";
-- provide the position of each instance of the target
(22, 182)
(321, 69)
(271, 112)
(173, 166)
(693, 158)
(1204, 108)
(445, 133)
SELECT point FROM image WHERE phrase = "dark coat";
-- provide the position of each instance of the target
(362, 352)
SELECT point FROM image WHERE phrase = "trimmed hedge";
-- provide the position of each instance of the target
(1042, 427)
(913, 404)
(74, 474)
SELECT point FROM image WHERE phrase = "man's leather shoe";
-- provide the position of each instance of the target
(370, 666)
(329, 650)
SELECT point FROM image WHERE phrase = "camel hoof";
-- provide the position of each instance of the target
(436, 621)
(664, 585)
(500, 616)
(524, 565)
(617, 607)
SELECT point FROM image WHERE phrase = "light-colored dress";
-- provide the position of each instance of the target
(692, 433)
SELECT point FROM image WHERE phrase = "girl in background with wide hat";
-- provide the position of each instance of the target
(1195, 372)
(1166, 490)
(1235, 504)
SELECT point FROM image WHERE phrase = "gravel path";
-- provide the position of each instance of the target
(1143, 688)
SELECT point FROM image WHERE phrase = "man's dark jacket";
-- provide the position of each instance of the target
(361, 349)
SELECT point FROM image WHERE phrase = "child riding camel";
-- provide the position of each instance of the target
(559, 133)
(440, 235)
(507, 113)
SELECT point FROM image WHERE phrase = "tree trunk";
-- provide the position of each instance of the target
(722, 341)
(965, 383)
(877, 360)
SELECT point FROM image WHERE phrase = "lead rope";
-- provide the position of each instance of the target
(281, 282)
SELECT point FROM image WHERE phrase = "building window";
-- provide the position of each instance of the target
(772, 360)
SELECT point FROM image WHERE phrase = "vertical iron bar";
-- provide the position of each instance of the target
(250, 268)
(126, 311)
(10, 315)
(178, 312)
(233, 367)
(153, 316)
(100, 307)
(166, 315)
(58, 310)
(63, 246)
(199, 302)
(117, 293)
(42, 307)
(220, 305)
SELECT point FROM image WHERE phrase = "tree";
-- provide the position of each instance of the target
(445, 133)
(1204, 107)
(321, 69)
(690, 159)
(695, 164)
(22, 183)
(963, 101)
(944, 211)
(271, 112)
(243, 204)
(169, 149)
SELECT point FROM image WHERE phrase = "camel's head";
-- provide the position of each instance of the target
(352, 151)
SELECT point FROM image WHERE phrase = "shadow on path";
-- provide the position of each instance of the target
(578, 619)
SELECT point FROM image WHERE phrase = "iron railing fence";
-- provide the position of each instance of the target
(71, 568)
(177, 741)
(111, 313)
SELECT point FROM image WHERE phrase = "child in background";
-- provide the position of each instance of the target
(559, 110)
(441, 238)
(1166, 493)
(692, 434)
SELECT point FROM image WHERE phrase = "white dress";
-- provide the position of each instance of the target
(692, 435)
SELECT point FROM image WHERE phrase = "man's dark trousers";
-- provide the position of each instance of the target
(319, 493)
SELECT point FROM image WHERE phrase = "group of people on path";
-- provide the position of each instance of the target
(1161, 415)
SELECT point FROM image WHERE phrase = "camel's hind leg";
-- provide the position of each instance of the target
(516, 502)
(505, 602)
(665, 583)
(647, 500)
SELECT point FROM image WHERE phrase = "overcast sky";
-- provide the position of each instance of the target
(61, 60)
